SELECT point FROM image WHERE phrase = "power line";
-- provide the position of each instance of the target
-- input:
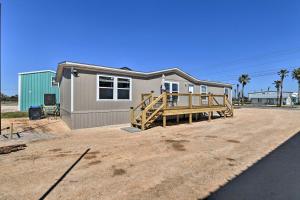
(255, 75)
(256, 57)
(250, 66)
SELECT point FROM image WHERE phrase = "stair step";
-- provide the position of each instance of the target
(135, 124)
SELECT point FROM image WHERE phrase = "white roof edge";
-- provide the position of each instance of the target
(142, 73)
(40, 71)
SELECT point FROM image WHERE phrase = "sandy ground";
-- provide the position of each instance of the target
(8, 108)
(32, 130)
(178, 162)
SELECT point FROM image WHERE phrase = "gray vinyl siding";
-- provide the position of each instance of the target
(99, 118)
(65, 90)
(66, 117)
(90, 112)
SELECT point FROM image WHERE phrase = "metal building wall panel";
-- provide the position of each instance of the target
(34, 86)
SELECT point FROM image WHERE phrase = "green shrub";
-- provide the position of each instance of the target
(14, 114)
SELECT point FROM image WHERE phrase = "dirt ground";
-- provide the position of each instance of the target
(178, 162)
(32, 130)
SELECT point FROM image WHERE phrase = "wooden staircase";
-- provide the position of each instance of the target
(151, 109)
(229, 108)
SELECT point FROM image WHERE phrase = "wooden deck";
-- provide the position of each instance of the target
(152, 108)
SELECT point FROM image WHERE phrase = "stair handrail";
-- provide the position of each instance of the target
(133, 116)
(145, 110)
(229, 105)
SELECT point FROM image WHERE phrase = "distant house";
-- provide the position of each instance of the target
(270, 97)
(32, 87)
(93, 95)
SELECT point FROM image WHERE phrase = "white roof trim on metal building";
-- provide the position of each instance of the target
(33, 72)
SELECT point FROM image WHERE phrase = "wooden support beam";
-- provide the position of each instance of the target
(177, 119)
(164, 121)
(11, 130)
(132, 120)
(224, 114)
(209, 116)
(190, 118)
(143, 119)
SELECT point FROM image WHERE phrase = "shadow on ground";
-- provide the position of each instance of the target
(276, 177)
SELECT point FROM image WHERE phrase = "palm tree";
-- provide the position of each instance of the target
(238, 93)
(296, 76)
(244, 79)
(282, 73)
(277, 86)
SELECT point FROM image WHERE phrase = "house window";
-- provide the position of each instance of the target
(172, 87)
(191, 88)
(114, 88)
(226, 91)
(53, 82)
(106, 87)
(123, 88)
(203, 90)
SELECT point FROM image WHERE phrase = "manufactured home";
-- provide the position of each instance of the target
(92, 95)
(33, 86)
(272, 97)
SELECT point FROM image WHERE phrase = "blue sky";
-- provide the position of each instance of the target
(210, 39)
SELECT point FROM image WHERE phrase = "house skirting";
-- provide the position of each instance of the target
(89, 119)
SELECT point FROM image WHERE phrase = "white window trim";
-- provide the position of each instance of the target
(171, 82)
(206, 99)
(115, 88)
(191, 86)
(171, 89)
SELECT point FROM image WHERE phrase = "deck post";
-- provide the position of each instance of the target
(177, 119)
(11, 130)
(224, 113)
(143, 119)
(196, 116)
(200, 100)
(224, 100)
(209, 99)
(209, 116)
(164, 121)
(165, 100)
(190, 100)
(131, 116)
(190, 118)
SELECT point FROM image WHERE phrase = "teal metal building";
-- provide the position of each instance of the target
(32, 86)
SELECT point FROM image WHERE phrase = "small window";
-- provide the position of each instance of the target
(191, 88)
(123, 88)
(106, 87)
(53, 82)
(226, 91)
(203, 90)
(175, 88)
(167, 86)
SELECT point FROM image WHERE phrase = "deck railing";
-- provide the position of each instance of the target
(150, 106)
